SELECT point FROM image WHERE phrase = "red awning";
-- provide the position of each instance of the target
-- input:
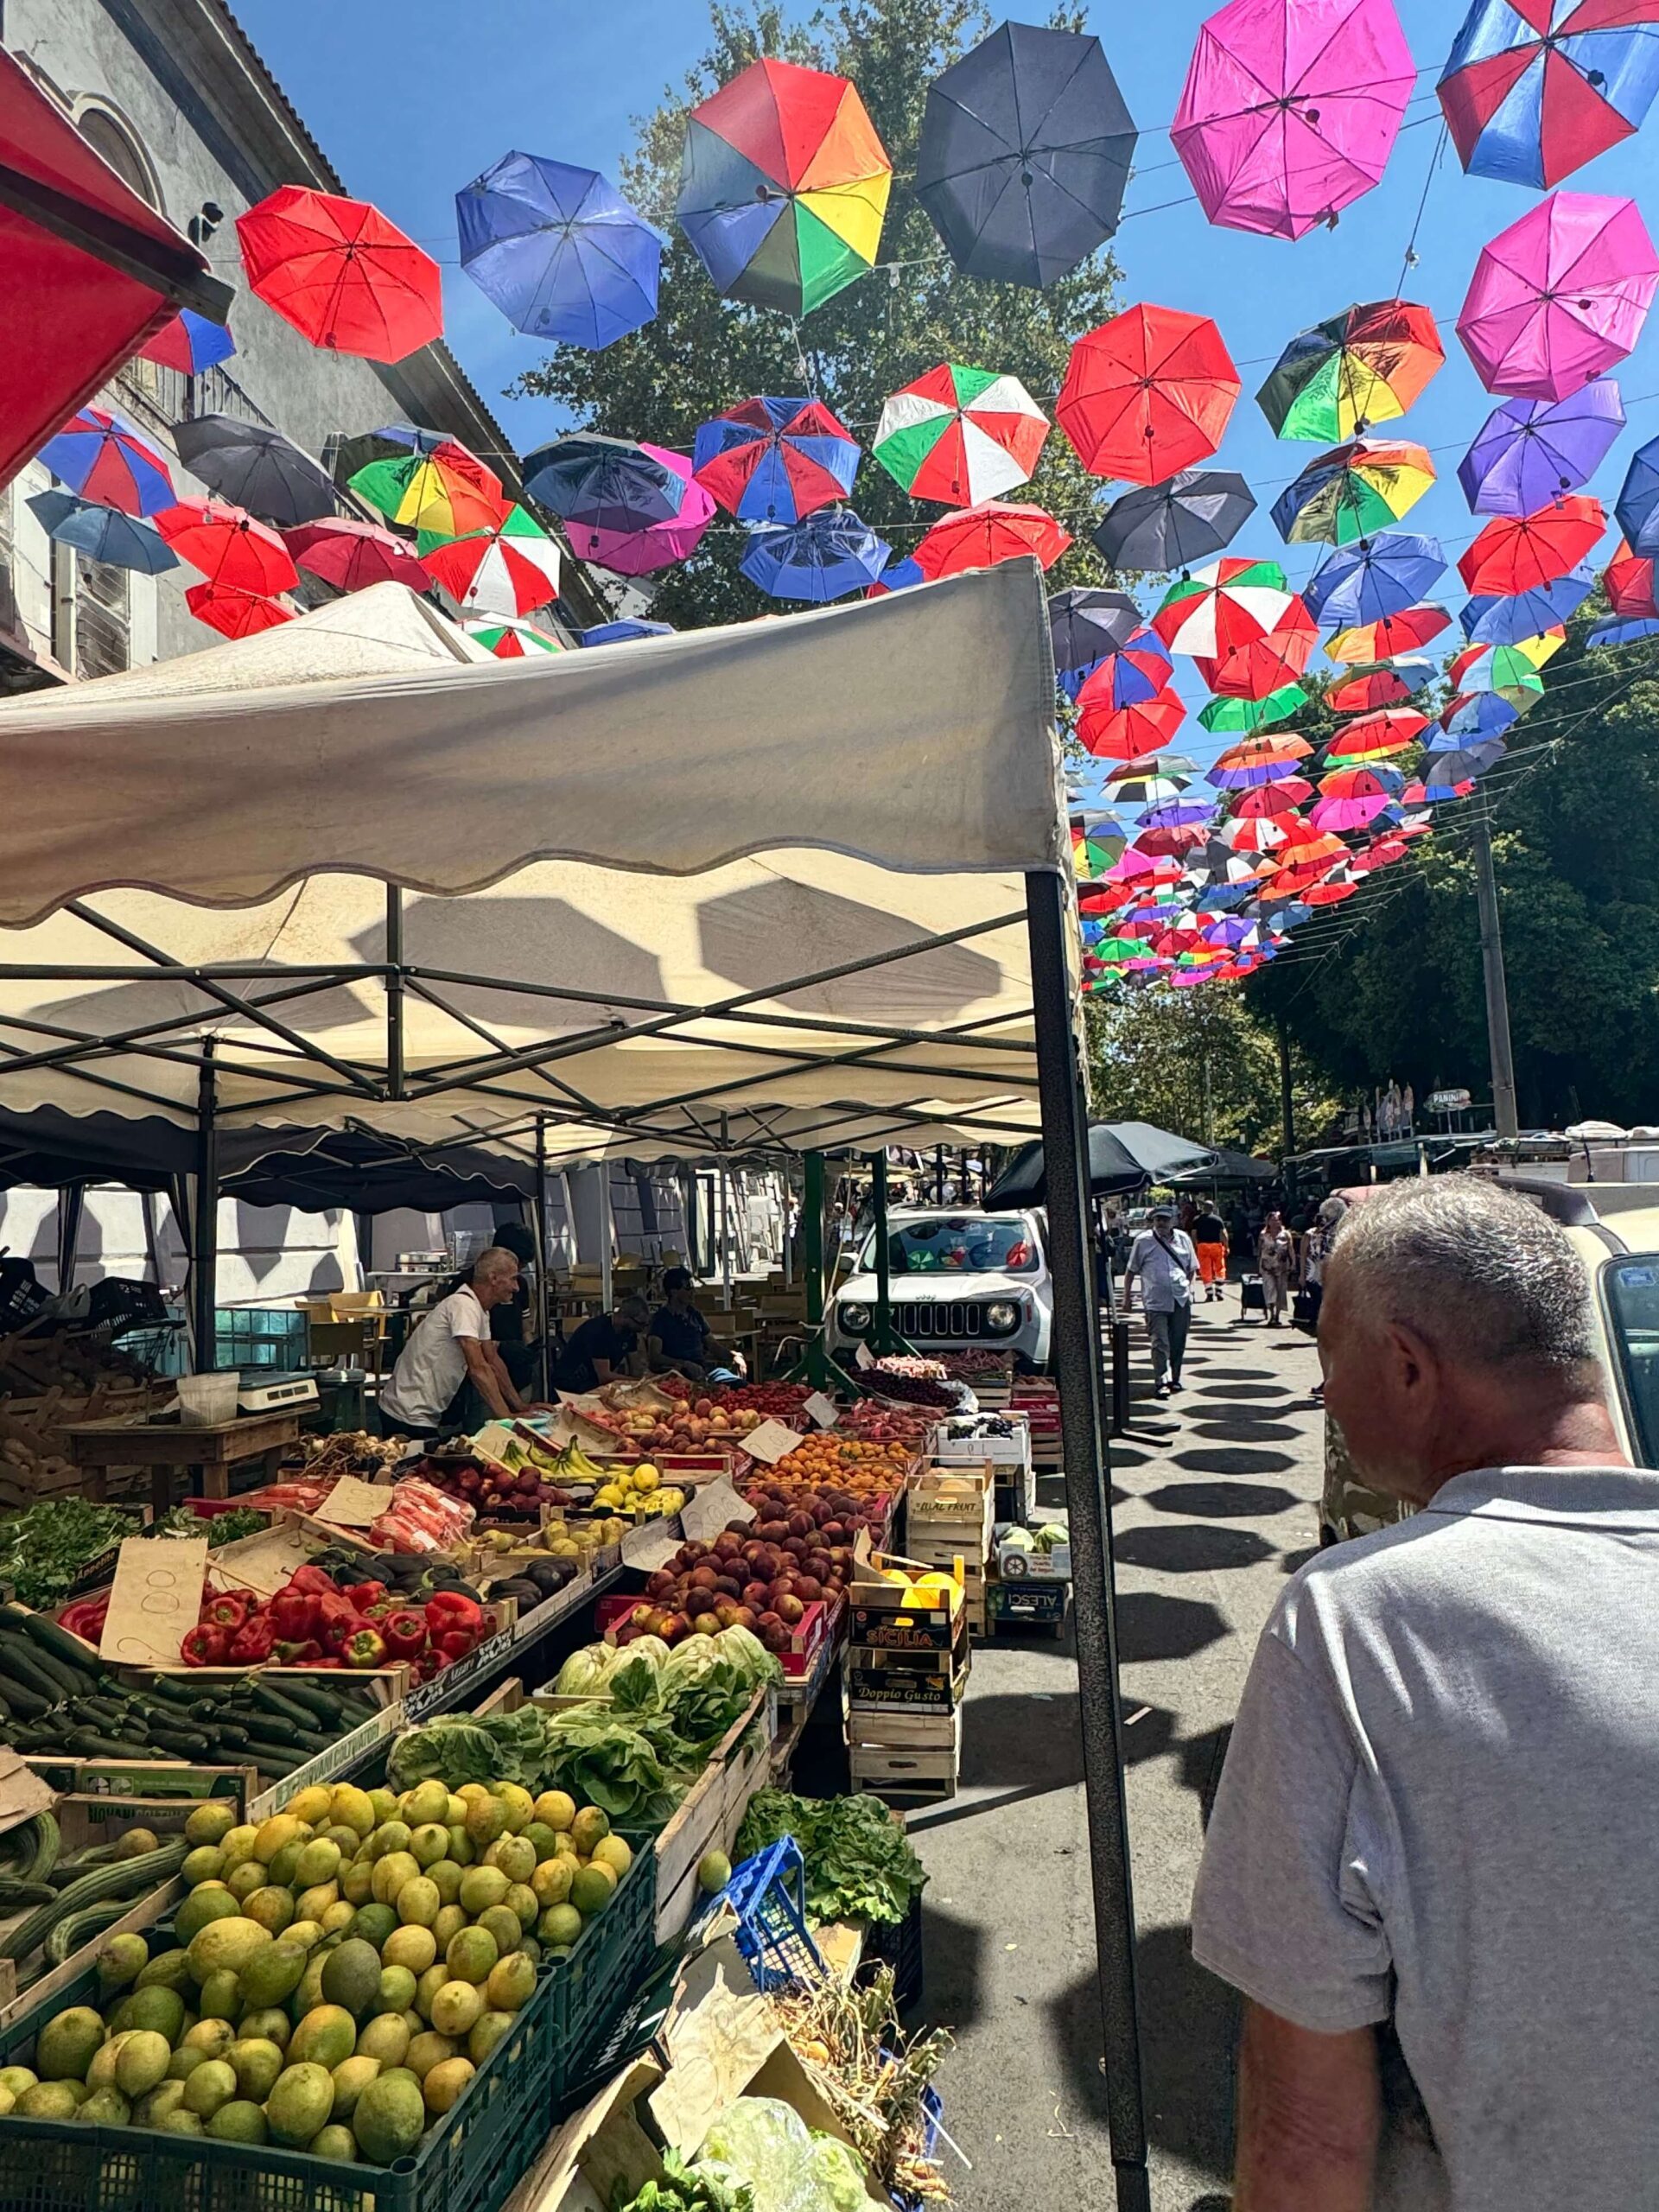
(91, 270)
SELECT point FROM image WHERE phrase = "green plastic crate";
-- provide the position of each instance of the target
(592, 1986)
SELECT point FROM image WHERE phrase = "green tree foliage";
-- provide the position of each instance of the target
(1198, 1063)
(703, 354)
(1575, 836)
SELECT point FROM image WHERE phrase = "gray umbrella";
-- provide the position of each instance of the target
(1172, 524)
(1084, 625)
(256, 467)
(1025, 153)
(1122, 1155)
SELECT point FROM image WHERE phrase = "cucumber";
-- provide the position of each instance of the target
(21, 1663)
(326, 1704)
(20, 1645)
(182, 1743)
(128, 1878)
(171, 1689)
(80, 1927)
(48, 1843)
(63, 1646)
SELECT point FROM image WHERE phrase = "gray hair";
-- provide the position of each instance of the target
(495, 1260)
(1474, 1269)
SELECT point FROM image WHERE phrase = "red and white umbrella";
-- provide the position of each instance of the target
(960, 435)
(510, 568)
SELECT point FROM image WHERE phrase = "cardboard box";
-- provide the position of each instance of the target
(1015, 1565)
(1002, 1450)
(1037, 1604)
(891, 1680)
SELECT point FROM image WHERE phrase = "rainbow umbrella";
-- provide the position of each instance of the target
(783, 186)
(1632, 590)
(978, 537)
(1377, 576)
(1353, 491)
(446, 491)
(826, 556)
(1147, 394)
(1534, 89)
(1225, 716)
(641, 548)
(1256, 760)
(1395, 633)
(558, 249)
(189, 343)
(960, 435)
(1356, 370)
(1500, 621)
(512, 640)
(1512, 672)
(510, 568)
(103, 459)
(1560, 295)
(1518, 553)
(1638, 504)
(1291, 109)
(1375, 737)
(1530, 451)
(774, 460)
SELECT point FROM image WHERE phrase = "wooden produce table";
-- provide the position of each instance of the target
(205, 1455)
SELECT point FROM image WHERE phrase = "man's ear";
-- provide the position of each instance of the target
(1413, 1360)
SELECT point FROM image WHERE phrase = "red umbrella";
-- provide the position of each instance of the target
(1518, 553)
(1147, 393)
(232, 550)
(236, 613)
(340, 273)
(351, 554)
(1256, 666)
(1373, 737)
(1130, 733)
(1374, 687)
(1267, 800)
(1630, 585)
(978, 537)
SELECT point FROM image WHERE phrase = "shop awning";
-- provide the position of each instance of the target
(91, 270)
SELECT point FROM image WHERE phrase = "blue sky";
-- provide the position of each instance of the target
(410, 99)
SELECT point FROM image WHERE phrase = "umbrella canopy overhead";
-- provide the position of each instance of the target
(353, 554)
(1230, 716)
(1518, 553)
(774, 460)
(511, 568)
(1396, 633)
(1291, 109)
(1353, 491)
(978, 537)
(960, 435)
(607, 483)
(1134, 733)
(1637, 505)
(103, 458)
(189, 343)
(444, 489)
(506, 638)
(391, 441)
(558, 249)
(1532, 450)
(232, 550)
(1138, 671)
(1503, 619)
(1376, 578)
(1348, 374)
(344, 275)
(1025, 153)
(783, 185)
(822, 558)
(1559, 296)
(624, 632)
(1084, 626)
(235, 614)
(106, 534)
(255, 467)
(1122, 1155)
(642, 548)
(1170, 525)
(1534, 89)
(1147, 394)
(1632, 590)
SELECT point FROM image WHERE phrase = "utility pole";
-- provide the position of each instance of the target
(1504, 1116)
(1286, 1097)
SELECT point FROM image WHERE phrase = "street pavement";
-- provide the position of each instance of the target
(1214, 1503)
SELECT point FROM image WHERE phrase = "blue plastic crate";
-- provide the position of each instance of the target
(768, 1894)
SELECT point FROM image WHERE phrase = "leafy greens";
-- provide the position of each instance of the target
(859, 1862)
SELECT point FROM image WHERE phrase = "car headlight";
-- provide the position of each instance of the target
(1002, 1316)
(854, 1316)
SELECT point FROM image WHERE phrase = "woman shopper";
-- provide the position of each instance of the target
(1273, 1254)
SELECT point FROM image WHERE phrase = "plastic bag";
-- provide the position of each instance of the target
(767, 2145)
(421, 1519)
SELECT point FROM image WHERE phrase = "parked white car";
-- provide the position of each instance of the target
(959, 1279)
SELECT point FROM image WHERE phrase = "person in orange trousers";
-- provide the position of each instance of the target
(1209, 1239)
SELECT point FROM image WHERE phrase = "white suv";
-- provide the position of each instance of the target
(958, 1278)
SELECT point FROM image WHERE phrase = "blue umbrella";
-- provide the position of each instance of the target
(1373, 578)
(770, 460)
(825, 557)
(558, 249)
(1638, 508)
(1530, 451)
(1445, 771)
(1477, 715)
(1488, 621)
(1622, 633)
(618, 634)
(190, 343)
(103, 533)
(902, 574)
(607, 483)
(1084, 626)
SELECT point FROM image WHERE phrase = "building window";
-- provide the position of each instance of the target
(106, 132)
(103, 618)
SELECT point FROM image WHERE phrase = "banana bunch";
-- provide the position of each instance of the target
(575, 1465)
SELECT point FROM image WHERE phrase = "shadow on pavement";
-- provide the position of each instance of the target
(1181, 1550)
(1221, 1501)
(1245, 1429)
(1293, 1561)
(1151, 1626)
(1243, 1459)
(1201, 1763)
(954, 1951)
(1260, 1390)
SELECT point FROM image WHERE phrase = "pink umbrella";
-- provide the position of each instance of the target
(1291, 109)
(1559, 296)
(654, 545)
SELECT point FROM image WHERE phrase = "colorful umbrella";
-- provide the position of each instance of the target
(1376, 687)
(1025, 152)
(120, 541)
(1147, 394)
(1373, 737)
(447, 491)
(607, 483)
(1395, 633)
(1606, 634)
(1084, 626)
(1632, 589)
(1377, 577)
(1342, 882)
(1559, 296)
(391, 441)
(1638, 504)
(961, 436)
(1515, 673)
(558, 249)
(1159, 789)
(1252, 832)
(978, 537)
(642, 548)
(1269, 801)
(1231, 599)
(255, 467)
(1254, 664)
(340, 273)
(1242, 716)
(783, 186)
(1518, 553)
(352, 555)
(1291, 109)
(1170, 525)
(1350, 373)
(235, 614)
(1349, 798)
(830, 553)
(624, 632)
(1181, 812)
(1477, 715)
(1454, 775)
(1133, 733)
(1353, 491)
(902, 574)
(1256, 760)
(234, 551)
(1534, 89)
(190, 343)
(1532, 450)
(774, 460)
(1490, 621)
(1138, 671)
(512, 640)
(102, 458)
(511, 568)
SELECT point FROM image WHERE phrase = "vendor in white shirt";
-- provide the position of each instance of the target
(450, 1375)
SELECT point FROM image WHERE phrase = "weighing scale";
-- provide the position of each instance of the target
(270, 1390)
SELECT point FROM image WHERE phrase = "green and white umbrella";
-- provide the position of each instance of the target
(960, 435)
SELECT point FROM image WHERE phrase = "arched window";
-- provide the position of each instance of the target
(108, 135)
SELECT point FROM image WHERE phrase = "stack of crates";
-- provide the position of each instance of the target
(1038, 1400)
(907, 1670)
(949, 1513)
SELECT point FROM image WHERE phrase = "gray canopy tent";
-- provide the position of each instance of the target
(796, 885)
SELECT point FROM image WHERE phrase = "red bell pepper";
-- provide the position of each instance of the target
(404, 1632)
(205, 1647)
(227, 1609)
(338, 1621)
(454, 1643)
(253, 1643)
(365, 1594)
(295, 1614)
(456, 1609)
(86, 1618)
(365, 1650)
(311, 1581)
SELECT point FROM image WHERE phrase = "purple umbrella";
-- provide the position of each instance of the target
(650, 546)
(1530, 451)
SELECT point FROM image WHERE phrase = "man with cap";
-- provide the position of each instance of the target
(1162, 1261)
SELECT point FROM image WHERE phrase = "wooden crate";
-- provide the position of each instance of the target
(908, 1757)
(711, 1813)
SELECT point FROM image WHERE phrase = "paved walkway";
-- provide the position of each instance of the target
(1214, 1503)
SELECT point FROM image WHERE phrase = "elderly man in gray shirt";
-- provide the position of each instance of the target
(1430, 1864)
(1163, 1262)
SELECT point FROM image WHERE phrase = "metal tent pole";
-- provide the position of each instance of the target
(606, 1237)
(204, 1262)
(1076, 1355)
(71, 1206)
(543, 1327)
(395, 988)
(1505, 1117)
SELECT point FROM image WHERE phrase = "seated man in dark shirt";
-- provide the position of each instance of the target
(680, 1339)
(605, 1346)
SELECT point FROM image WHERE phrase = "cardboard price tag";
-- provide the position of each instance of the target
(770, 1442)
(353, 1504)
(652, 1545)
(156, 1599)
(270, 1561)
(863, 1357)
(706, 1511)
(824, 1411)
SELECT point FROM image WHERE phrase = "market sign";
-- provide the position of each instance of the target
(1447, 1102)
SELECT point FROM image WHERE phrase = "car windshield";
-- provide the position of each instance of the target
(956, 1244)
(1631, 1289)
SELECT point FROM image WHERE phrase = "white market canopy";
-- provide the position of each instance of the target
(749, 888)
